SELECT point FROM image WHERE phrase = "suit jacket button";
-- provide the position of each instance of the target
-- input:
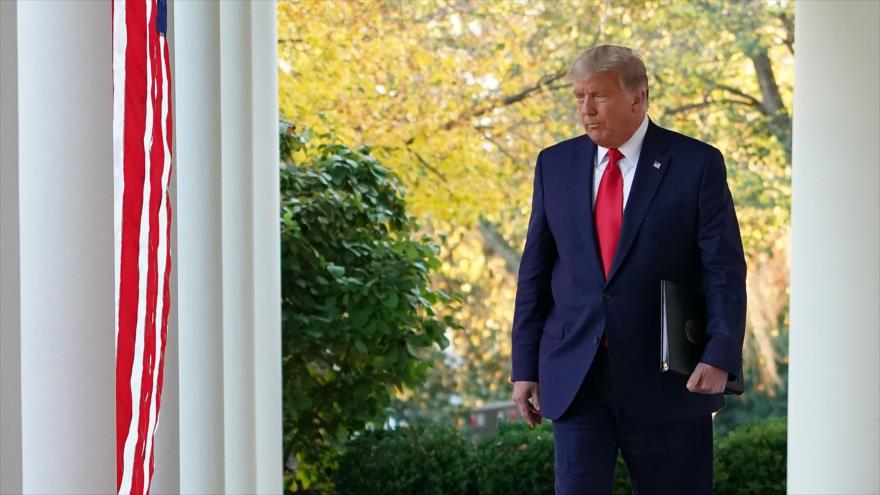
(606, 296)
(595, 340)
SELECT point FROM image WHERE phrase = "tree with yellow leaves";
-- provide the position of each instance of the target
(458, 96)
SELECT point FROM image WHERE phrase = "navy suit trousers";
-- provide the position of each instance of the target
(662, 457)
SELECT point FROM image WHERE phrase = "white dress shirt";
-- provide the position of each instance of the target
(631, 151)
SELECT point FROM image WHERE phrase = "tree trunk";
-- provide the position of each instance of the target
(771, 100)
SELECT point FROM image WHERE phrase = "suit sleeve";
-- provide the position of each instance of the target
(534, 298)
(724, 269)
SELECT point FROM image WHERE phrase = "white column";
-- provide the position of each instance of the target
(196, 332)
(266, 246)
(58, 385)
(834, 396)
(10, 257)
(228, 327)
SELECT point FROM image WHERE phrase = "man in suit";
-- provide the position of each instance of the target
(613, 213)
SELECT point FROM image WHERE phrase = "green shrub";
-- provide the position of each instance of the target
(358, 307)
(751, 460)
(416, 460)
(517, 460)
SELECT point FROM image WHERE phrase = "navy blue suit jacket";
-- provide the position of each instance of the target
(679, 224)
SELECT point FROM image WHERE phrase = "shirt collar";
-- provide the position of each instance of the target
(630, 149)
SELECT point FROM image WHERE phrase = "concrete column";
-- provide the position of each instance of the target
(58, 356)
(266, 246)
(834, 397)
(228, 325)
(10, 257)
(220, 424)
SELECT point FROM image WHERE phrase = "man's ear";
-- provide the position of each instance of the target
(640, 97)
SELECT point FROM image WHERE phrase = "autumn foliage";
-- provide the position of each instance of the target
(457, 97)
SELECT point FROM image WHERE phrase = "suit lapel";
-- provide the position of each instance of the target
(580, 189)
(645, 183)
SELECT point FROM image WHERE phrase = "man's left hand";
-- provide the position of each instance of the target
(707, 379)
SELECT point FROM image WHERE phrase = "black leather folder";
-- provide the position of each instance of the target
(683, 332)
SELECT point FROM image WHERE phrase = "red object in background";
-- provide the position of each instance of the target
(142, 215)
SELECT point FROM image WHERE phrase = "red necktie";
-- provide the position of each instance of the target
(608, 213)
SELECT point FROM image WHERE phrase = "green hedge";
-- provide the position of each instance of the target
(417, 461)
(751, 460)
(516, 460)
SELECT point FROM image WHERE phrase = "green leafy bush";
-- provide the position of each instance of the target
(357, 304)
(518, 460)
(415, 461)
(751, 460)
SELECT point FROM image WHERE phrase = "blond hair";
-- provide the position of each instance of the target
(612, 58)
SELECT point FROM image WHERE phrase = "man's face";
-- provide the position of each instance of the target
(609, 114)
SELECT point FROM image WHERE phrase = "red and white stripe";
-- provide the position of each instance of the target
(142, 172)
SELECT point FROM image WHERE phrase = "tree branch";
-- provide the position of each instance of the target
(494, 241)
(788, 24)
(544, 82)
(525, 137)
(494, 103)
(730, 89)
(497, 244)
(488, 136)
(427, 165)
(557, 87)
(707, 103)
(507, 100)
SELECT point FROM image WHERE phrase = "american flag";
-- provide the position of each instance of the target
(142, 172)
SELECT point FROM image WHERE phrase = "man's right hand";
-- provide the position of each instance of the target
(525, 396)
